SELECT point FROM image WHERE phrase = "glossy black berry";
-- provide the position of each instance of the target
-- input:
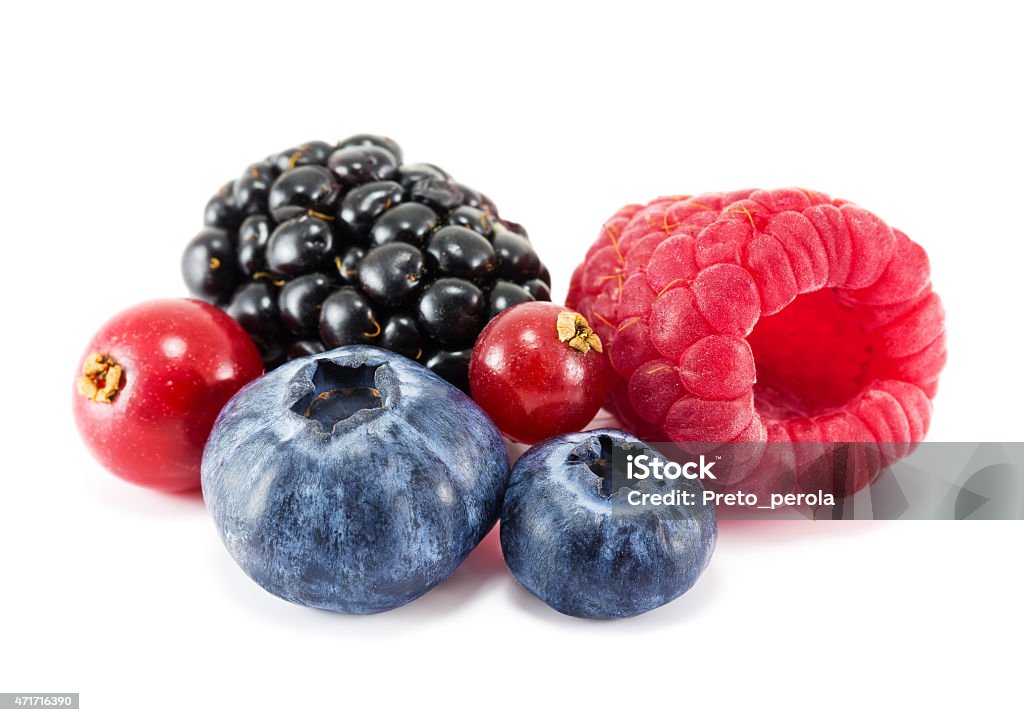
(314, 152)
(538, 289)
(452, 366)
(506, 295)
(346, 317)
(472, 218)
(253, 187)
(306, 188)
(305, 347)
(253, 236)
(300, 245)
(254, 306)
(325, 244)
(402, 335)
(517, 261)
(208, 266)
(221, 210)
(300, 300)
(391, 274)
(452, 312)
(410, 223)
(476, 199)
(364, 204)
(362, 164)
(380, 141)
(462, 253)
(518, 229)
(347, 264)
(410, 175)
(441, 195)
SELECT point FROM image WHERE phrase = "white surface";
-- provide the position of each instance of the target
(119, 123)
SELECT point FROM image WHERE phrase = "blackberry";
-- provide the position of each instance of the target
(323, 245)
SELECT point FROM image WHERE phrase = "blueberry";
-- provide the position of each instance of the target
(354, 480)
(571, 537)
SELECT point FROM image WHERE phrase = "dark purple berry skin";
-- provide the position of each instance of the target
(452, 312)
(254, 306)
(347, 265)
(363, 205)
(538, 289)
(299, 246)
(410, 223)
(208, 266)
(461, 253)
(379, 141)
(441, 195)
(402, 335)
(253, 187)
(327, 244)
(391, 274)
(306, 188)
(305, 347)
(517, 261)
(221, 210)
(410, 175)
(253, 236)
(362, 164)
(474, 219)
(314, 152)
(506, 295)
(452, 366)
(346, 317)
(300, 300)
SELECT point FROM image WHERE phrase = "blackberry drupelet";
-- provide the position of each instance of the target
(323, 245)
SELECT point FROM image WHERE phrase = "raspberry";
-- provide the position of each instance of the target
(780, 315)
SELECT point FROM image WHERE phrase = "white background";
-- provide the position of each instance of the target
(119, 122)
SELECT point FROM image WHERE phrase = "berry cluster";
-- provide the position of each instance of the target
(323, 245)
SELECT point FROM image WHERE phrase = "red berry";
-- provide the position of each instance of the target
(538, 370)
(764, 315)
(150, 386)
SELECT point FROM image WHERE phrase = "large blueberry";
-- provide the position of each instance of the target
(571, 536)
(353, 480)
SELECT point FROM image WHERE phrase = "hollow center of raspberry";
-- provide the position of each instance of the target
(812, 357)
(339, 393)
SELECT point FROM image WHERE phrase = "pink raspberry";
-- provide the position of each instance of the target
(780, 315)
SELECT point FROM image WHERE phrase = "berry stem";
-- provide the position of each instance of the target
(101, 378)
